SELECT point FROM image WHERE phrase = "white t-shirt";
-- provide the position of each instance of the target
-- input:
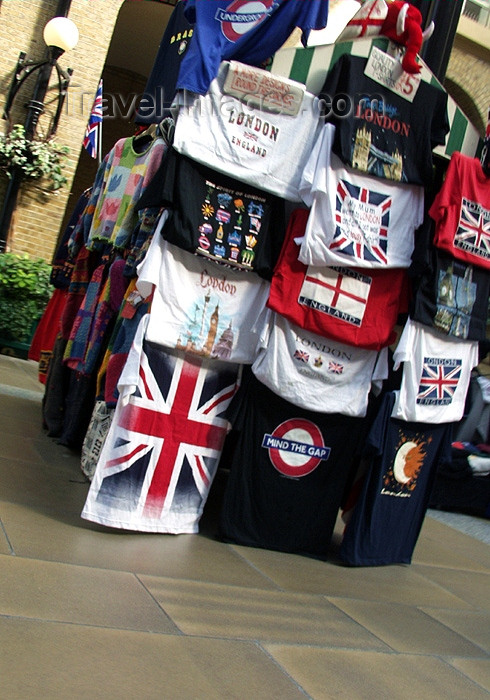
(356, 220)
(263, 148)
(314, 372)
(436, 374)
(199, 306)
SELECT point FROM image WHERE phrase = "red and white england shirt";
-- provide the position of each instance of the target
(353, 305)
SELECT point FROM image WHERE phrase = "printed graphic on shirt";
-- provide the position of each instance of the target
(209, 330)
(296, 447)
(456, 296)
(311, 359)
(400, 479)
(362, 220)
(230, 226)
(336, 291)
(439, 381)
(241, 16)
(366, 155)
(473, 233)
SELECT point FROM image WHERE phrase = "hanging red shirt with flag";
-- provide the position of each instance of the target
(162, 450)
(91, 140)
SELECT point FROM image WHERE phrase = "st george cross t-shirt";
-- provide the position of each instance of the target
(355, 219)
(314, 372)
(353, 305)
(436, 374)
(461, 211)
(199, 306)
(244, 31)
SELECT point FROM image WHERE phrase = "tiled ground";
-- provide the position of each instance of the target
(87, 611)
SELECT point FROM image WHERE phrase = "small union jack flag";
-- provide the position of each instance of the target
(162, 450)
(473, 233)
(302, 356)
(91, 140)
(362, 221)
(439, 381)
(335, 367)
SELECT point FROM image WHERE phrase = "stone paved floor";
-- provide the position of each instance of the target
(87, 611)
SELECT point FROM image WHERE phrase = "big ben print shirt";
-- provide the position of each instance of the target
(198, 306)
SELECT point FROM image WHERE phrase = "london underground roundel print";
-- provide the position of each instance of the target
(241, 16)
(296, 447)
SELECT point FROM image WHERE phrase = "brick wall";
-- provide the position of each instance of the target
(37, 219)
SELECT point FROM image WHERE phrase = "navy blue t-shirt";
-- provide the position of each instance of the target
(387, 518)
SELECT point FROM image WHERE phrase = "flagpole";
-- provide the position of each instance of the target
(99, 135)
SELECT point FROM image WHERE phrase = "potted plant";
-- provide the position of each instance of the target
(35, 159)
(25, 289)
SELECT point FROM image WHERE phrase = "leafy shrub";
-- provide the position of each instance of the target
(25, 290)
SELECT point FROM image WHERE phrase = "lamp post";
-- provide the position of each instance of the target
(60, 35)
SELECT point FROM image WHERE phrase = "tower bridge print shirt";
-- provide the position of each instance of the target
(386, 135)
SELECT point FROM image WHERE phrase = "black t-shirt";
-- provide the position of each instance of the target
(160, 88)
(219, 217)
(288, 471)
(388, 515)
(384, 134)
(452, 296)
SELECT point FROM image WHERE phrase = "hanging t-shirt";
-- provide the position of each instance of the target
(245, 139)
(461, 210)
(245, 31)
(353, 305)
(288, 470)
(125, 176)
(380, 132)
(199, 306)
(452, 296)
(313, 372)
(355, 219)
(219, 217)
(164, 443)
(160, 88)
(402, 459)
(436, 374)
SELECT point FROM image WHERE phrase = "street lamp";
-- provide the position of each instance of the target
(60, 35)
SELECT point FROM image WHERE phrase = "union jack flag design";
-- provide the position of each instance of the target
(473, 233)
(439, 381)
(163, 447)
(91, 139)
(301, 355)
(362, 220)
(335, 367)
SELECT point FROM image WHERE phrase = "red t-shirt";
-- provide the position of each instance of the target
(461, 210)
(353, 305)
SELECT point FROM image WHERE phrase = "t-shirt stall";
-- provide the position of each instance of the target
(274, 247)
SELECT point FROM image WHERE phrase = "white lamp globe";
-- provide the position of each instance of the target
(62, 33)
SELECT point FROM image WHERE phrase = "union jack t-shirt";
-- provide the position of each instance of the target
(461, 210)
(436, 374)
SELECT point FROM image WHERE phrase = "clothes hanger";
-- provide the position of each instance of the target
(144, 138)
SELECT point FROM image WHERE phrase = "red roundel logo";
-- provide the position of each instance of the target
(296, 447)
(241, 16)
